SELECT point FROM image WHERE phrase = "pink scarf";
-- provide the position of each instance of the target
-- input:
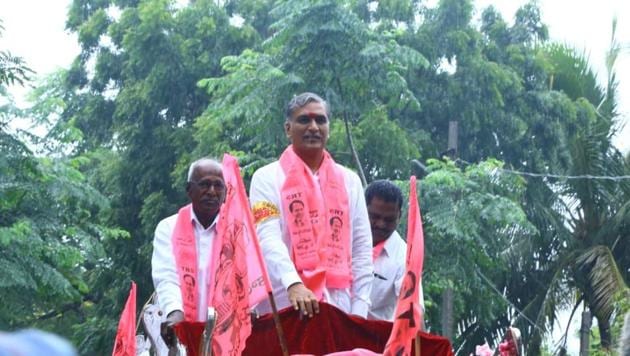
(185, 251)
(376, 250)
(320, 232)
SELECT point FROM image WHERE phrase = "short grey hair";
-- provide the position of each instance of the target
(203, 162)
(301, 100)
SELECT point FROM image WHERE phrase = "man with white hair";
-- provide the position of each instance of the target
(182, 248)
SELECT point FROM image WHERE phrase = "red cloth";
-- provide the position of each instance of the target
(125, 344)
(355, 352)
(329, 331)
(408, 313)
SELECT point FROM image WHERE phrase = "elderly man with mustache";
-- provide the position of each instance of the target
(182, 249)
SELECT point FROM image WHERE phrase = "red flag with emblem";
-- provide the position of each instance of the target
(241, 279)
(408, 316)
(125, 344)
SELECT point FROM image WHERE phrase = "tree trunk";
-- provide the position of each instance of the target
(447, 313)
(605, 336)
(585, 332)
(534, 344)
(346, 122)
(355, 155)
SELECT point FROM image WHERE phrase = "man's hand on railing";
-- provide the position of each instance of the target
(166, 328)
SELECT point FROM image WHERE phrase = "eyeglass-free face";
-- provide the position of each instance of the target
(308, 129)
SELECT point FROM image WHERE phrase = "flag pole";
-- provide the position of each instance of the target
(279, 330)
(409, 320)
(266, 281)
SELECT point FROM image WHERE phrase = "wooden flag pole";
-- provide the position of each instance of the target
(417, 345)
(276, 320)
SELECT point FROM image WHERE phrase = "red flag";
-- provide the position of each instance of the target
(125, 344)
(241, 279)
(408, 310)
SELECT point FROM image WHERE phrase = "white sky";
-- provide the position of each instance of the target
(34, 30)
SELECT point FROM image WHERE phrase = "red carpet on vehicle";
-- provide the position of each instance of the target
(329, 331)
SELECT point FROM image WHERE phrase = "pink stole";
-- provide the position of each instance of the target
(185, 252)
(320, 239)
(376, 250)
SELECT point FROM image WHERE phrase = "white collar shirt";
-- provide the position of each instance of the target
(389, 270)
(275, 242)
(164, 271)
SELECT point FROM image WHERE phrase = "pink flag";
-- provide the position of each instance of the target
(125, 344)
(240, 277)
(408, 311)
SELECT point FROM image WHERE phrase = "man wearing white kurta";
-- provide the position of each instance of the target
(307, 126)
(384, 203)
(206, 190)
(164, 273)
(389, 269)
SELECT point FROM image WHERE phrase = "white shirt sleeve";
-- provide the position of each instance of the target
(274, 248)
(163, 270)
(362, 265)
(399, 257)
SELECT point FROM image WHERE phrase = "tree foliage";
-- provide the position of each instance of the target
(51, 231)
(474, 220)
(13, 69)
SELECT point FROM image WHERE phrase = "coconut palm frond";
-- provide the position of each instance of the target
(603, 278)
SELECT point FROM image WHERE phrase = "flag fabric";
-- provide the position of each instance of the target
(125, 344)
(408, 315)
(240, 276)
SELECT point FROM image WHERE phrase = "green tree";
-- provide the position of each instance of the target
(51, 228)
(494, 82)
(13, 69)
(597, 209)
(159, 82)
(319, 46)
(476, 235)
(131, 98)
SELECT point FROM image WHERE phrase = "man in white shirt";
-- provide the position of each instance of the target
(282, 238)
(206, 190)
(384, 203)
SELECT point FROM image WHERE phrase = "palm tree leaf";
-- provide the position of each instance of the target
(603, 279)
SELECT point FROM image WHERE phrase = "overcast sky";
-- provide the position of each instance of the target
(34, 30)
